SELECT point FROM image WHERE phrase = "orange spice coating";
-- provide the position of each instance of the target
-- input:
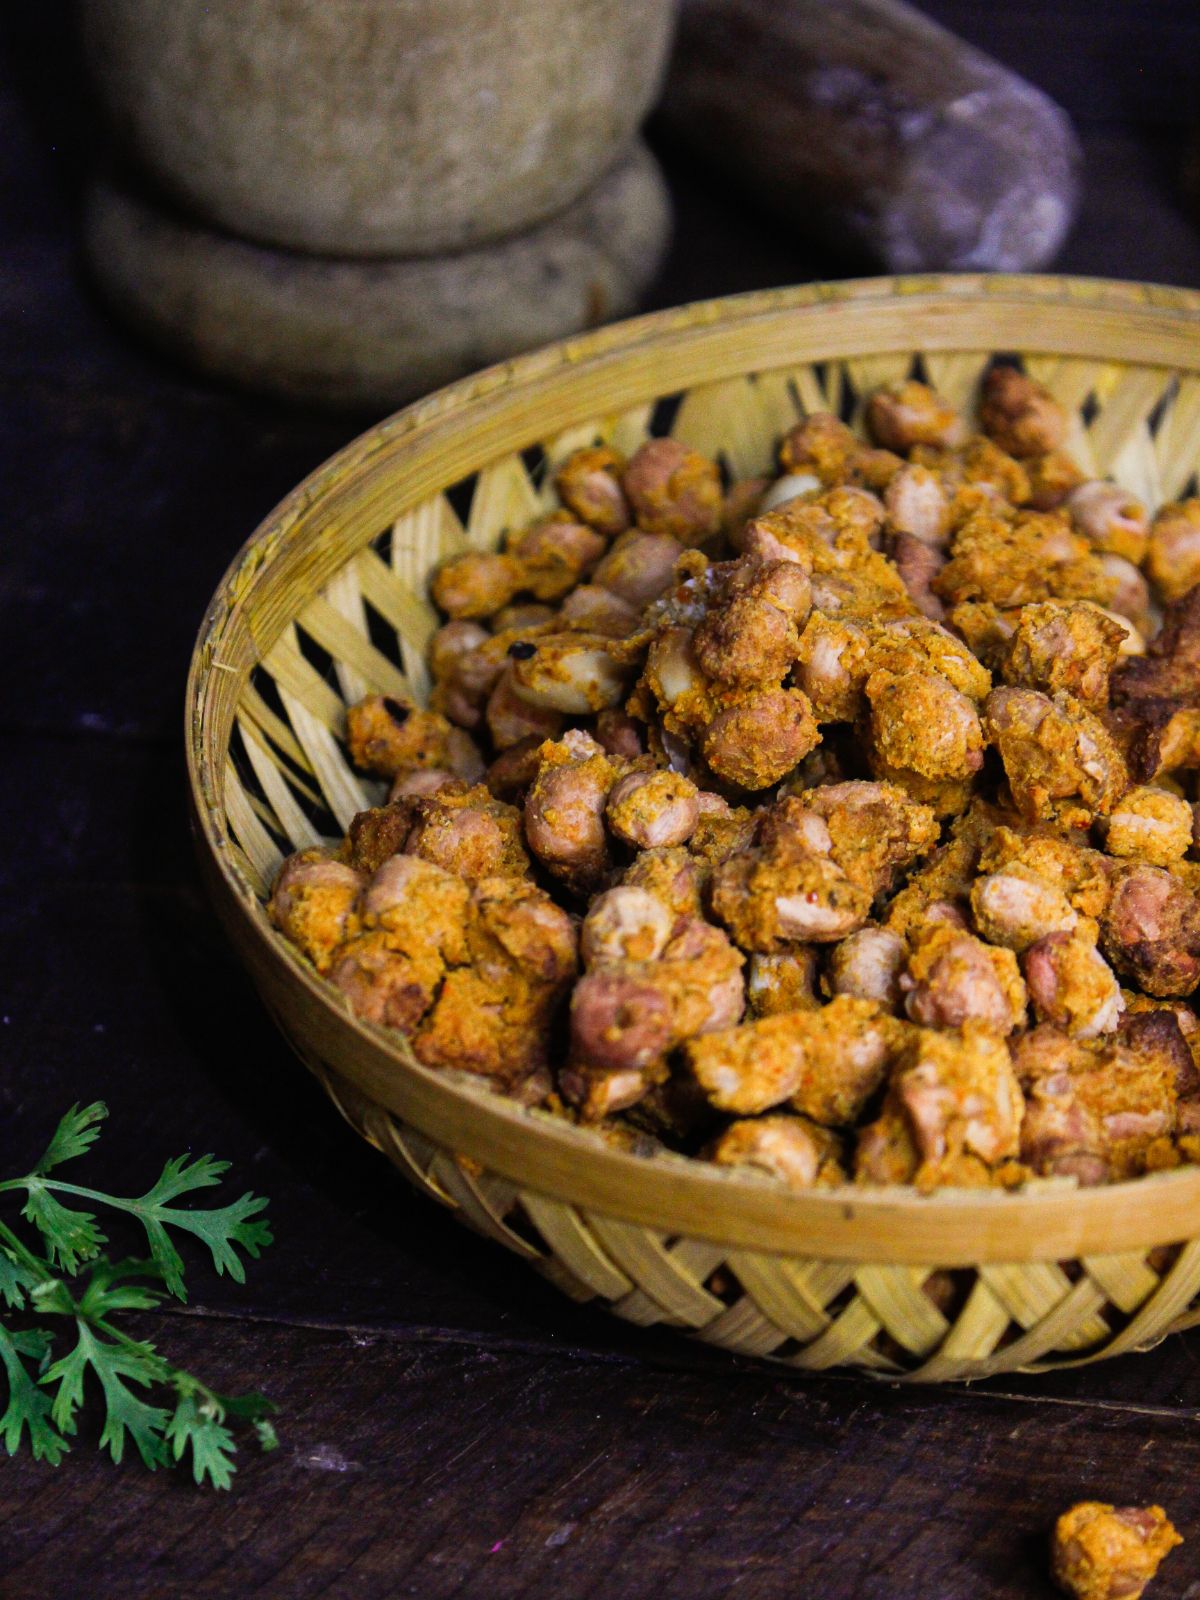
(1098, 1110)
(387, 736)
(1084, 875)
(875, 830)
(627, 1013)
(754, 742)
(1061, 763)
(721, 645)
(476, 583)
(589, 484)
(1152, 824)
(1035, 557)
(414, 926)
(1067, 646)
(648, 809)
(1173, 553)
(783, 892)
(1070, 984)
(671, 874)
(721, 834)
(554, 553)
(825, 1063)
(1016, 907)
(907, 414)
(473, 978)
(1110, 518)
(468, 832)
(797, 1151)
(1052, 476)
(952, 1114)
(980, 473)
(564, 809)
(316, 903)
(827, 448)
(925, 735)
(952, 978)
(1105, 1552)
(674, 490)
(574, 672)
(751, 635)
(786, 981)
(832, 666)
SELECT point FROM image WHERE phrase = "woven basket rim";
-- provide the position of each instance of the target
(674, 1194)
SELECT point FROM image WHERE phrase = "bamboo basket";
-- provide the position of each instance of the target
(327, 602)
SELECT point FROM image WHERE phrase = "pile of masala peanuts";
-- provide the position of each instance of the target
(841, 826)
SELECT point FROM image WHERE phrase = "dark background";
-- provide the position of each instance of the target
(450, 1426)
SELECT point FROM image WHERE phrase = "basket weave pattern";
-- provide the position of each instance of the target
(328, 603)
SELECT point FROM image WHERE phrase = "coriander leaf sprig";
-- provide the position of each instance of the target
(73, 1237)
(45, 1394)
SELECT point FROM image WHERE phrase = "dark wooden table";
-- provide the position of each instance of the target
(449, 1425)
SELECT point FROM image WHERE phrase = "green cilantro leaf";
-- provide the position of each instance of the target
(268, 1439)
(197, 1425)
(222, 1229)
(29, 1406)
(72, 1237)
(199, 1421)
(77, 1131)
(114, 1286)
(16, 1280)
(125, 1413)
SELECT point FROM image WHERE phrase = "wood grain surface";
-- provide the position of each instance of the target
(449, 1425)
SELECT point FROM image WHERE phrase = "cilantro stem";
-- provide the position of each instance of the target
(116, 1201)
(14, 1246)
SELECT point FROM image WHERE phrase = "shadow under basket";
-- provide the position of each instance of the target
(327, 602)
